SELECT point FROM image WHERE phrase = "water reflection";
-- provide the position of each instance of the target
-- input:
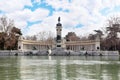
(60, 68)
(9, 68)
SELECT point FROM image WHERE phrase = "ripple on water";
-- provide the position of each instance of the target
(82, 62)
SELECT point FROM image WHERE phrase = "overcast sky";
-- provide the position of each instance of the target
(80, 16)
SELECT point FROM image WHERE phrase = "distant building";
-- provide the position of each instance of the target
(88, 45)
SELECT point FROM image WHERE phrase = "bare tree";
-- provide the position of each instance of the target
(43, 36)
(112, 32)
(6, 24)
(50, 37)
(33, 37)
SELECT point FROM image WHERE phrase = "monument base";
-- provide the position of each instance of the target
(59, 51)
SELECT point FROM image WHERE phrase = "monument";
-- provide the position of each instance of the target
(58, 32)
(59, 48)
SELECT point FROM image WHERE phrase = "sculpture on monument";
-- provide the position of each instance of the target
(58, 19)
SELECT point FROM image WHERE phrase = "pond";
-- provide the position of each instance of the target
(59, 68)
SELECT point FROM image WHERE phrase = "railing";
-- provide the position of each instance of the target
(74, 42)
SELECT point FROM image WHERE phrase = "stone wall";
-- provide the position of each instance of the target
(71, 53)
(100, 53)
(10, 52)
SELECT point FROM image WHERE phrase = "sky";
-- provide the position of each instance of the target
(79, 16)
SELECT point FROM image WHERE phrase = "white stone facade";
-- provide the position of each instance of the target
(89, 45)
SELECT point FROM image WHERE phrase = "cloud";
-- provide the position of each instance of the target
(37, 1)
(13, 5)
(83, 12)
(47, 24)
(56, 4)
(91, 14)
(39, 14)
(22, 17)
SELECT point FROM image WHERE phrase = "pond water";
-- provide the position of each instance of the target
(59, 68)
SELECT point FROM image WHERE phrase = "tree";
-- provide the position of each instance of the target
(2, 40)
(43, 36)
(13, 38)
(71, 36)
(16, 31)
(9, 34)
(98, 33)
(112, 39)
(6, 24)
(91, 36)
(33, 37)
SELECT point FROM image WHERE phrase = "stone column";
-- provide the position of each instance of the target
(97, 43)
(20, 45)
(72, 47)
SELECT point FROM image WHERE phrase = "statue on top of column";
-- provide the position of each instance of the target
(59, 24)
(58, 19)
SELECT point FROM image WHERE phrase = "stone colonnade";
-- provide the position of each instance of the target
(89, 45)
(72, 45)
(80, 47)
(33, 45)
(36, 47)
